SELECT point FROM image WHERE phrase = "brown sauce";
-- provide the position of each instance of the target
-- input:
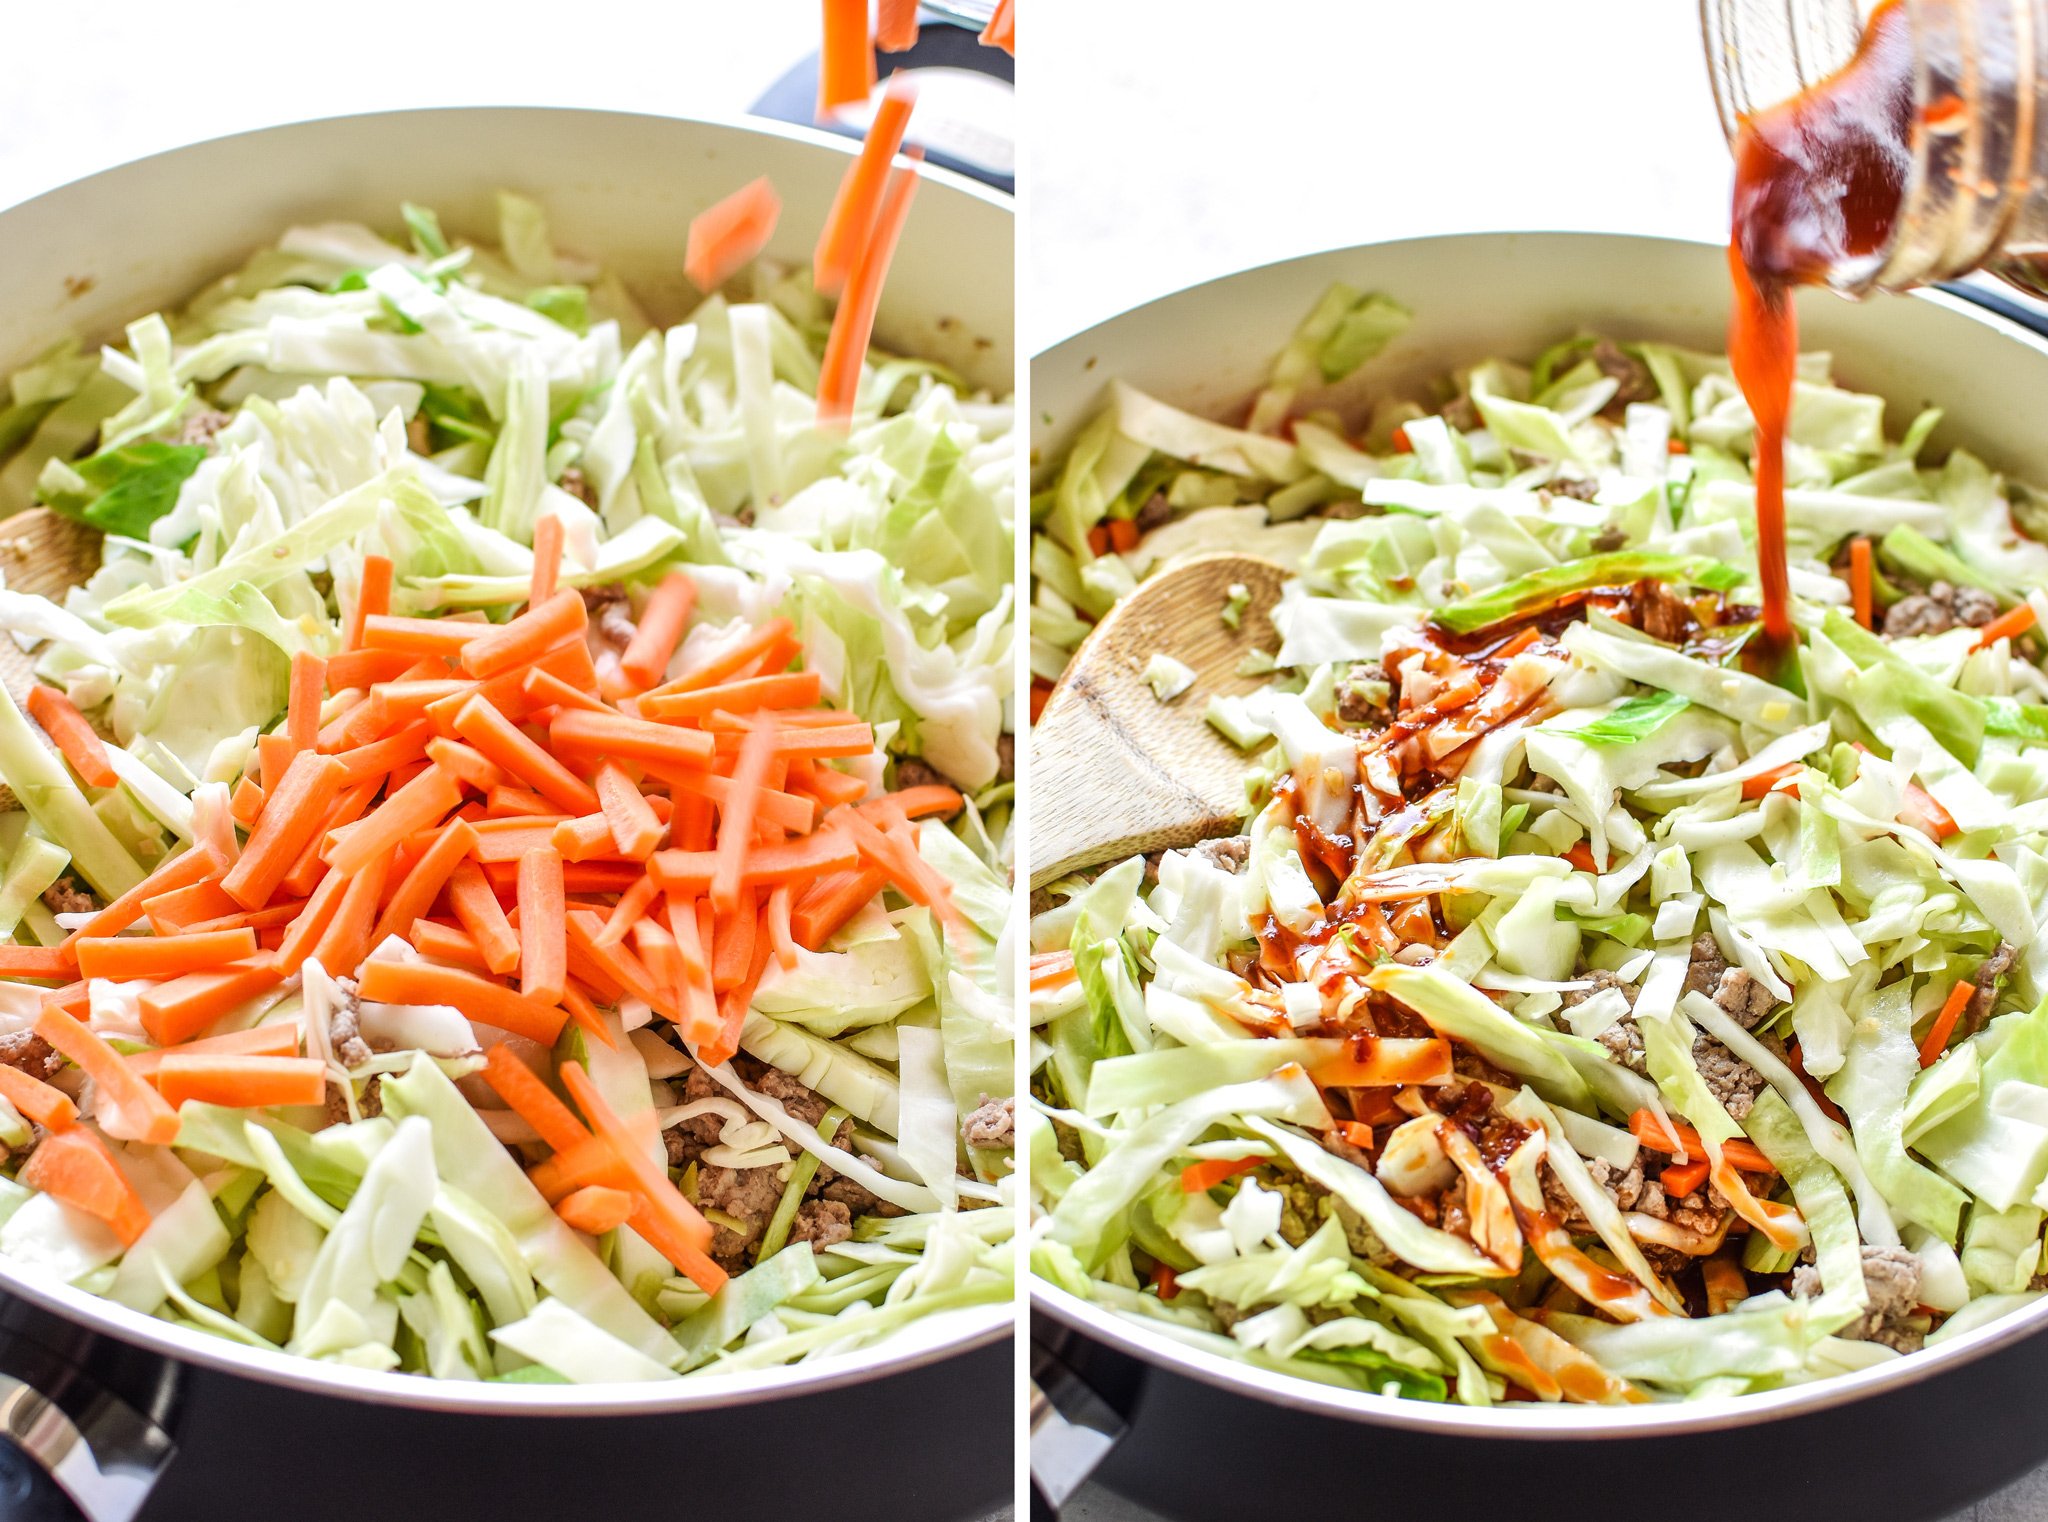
(1818, 184)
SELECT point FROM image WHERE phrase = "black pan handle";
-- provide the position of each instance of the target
(2029, 313)
(70, 1448)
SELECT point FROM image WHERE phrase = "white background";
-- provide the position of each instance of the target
(91, 83)
(1173, 140)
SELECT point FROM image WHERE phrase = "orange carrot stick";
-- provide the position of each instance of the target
(851, 222)
(176, 1011)
(846, 63)
(508, 801)
(367, 763)
(527, 637)
(346, 940)
(785, 861)
(280, 1038)
(617, 736)
(532, 1100)
(632, 904)
(895, 27)
(75, 1166)
(547, 559)
(736, 824)
(544, 687)
(675, 1214)
(304, 932)
(1944, 1026)
(38, 961)
(501, 742)
(419, 636)
(290, 821)
(241, 1082)
(124, 1105)
(472, 767)
(595, 1209)
(362, 669)
(775, 919)
(132, 956)
(661, 629)
(477, 998)
(246, 802)
(634, 828)
(2010, 624)
(420, 805)
(922, 801)
(583, 839)
(1001, 31)
(726, 237)
(74, 737)
(501, 842)
(831, 901)
(757, 644)
(853, 324)
(477, 907)
(543, 927)
(790, 689)
(585, 1014)
(446, 943)
(302, 711)
(372, 597)
(1861, 580)
(45, 1104)
(786, 811)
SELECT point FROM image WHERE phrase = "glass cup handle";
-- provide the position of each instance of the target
(98, 1459)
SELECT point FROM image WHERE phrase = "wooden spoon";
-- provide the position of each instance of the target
(1114, 771)
(43, 553)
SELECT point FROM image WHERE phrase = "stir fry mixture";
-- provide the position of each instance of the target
(508, 855)
(1588, 1010)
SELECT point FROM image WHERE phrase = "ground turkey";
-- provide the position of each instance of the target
(993, 1125)
(67, 895)
(1734, 1082)
(1892, 1276)
(1937, 610)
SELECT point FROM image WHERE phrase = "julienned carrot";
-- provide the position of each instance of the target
(725, 238)
(1198, 1178)
(532, 1100)
(421, 804)
(305, 931)
(733, 946)
(519, 642)
(789, 689)
(613, 964)
(176, 1011)
(634, 828)
(810, 742)
(1001, 31)
(1862, 580)
(242, 1082)
(128, 957)
(895, 27)
(446, 943)
(407, 700)
(363, 669)
(544, 687)
(894, 852)
(920, 802)
(124, 1105)
(699, 997)
(632, 904)
(736, 824)
(366, 763)
(474, 769)
(302, 711)
(419, 636)
(1051, 969)
(349, 806)
(1935, 1042)
(2010, 624)
(589, 1162)
(270, 917)
(501, 842)
(480, 1000)
(76, 1167)
(851, 222)
(786, 811)
(498, 739)
(547, 559)
(74, 737)
(373, 596)
(1681, 1179)
(595, 1209)
(45, 1104)
(784, 861)
(661, 627)
(853, 324)
(505, 801)
(280, 1038)
(831, 901)
(657, 949)
(346, 940)
(846, 63)
(679, 1219)
(1770, 781)
(585, 1014)
(1649, 1129)
(584, 839)
(543, 929)
(470, 896)
(38, 961)
(829, 787)
(246, 802)
(290, 821)
(616, 735)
